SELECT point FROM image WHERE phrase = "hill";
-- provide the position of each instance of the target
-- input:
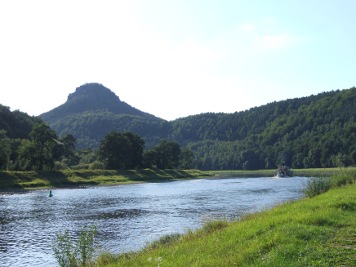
(16, 124)
(93, 110)
(309, 132)
(315, 131)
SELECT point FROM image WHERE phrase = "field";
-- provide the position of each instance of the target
(30, 180)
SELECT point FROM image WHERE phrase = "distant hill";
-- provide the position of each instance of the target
(312, 131)
(93, 110)
(17, 124)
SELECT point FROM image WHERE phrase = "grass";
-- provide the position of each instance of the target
(318, 185)
(317, 231)
(315, 172)
(25, 180)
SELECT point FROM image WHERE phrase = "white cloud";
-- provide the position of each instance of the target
(276, 40)
(267, 34)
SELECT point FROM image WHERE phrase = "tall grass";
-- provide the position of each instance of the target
(318, 185)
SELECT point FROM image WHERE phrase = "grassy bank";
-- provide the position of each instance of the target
(319, 231)
(25, 180)
(316, 172)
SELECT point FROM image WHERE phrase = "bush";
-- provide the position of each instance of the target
(316, 186)
(96, 165)
(343, 178)
(69, 254)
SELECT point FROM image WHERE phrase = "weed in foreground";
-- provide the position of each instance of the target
(317, 185)
(69, 254)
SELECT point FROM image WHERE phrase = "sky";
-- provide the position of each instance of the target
(175, 58)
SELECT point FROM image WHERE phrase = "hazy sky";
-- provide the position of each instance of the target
(174, 58)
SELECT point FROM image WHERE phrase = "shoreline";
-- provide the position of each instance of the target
(16, 182)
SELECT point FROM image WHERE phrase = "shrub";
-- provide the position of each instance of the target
(69, 254)
(96, 165)
(343, 178)
(316, 186)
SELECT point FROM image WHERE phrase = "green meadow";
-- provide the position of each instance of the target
(29, 180)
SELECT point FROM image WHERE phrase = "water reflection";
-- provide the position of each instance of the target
(128, 217)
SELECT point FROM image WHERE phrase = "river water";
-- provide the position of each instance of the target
(129, 217)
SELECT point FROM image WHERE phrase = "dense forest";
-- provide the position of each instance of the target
(313, 131)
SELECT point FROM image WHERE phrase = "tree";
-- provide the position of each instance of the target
(42, 150)
(121, 150)
(186, 158)
(69, 152)
(5, 151)
(164, 156)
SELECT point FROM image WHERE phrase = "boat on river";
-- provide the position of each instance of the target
(283, 171)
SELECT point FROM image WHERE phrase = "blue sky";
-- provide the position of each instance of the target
(175, 58)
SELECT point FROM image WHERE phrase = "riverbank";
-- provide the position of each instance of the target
(319, 231)
(18, 181)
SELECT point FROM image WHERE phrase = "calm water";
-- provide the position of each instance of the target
(128, 217)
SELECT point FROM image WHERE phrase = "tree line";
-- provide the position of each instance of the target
(309, 132)
(44, 150)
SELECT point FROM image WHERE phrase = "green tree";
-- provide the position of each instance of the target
(121, 150)
(69, 151)
(186, 158)
(5, 151)
(42, 150)
(166, 155)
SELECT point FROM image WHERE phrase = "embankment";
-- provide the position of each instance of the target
(29, 180)
(319, 231)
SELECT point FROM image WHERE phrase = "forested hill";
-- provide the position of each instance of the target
(93, 97)
(314, 131)
(308, 132)
(16, 124)
(93, 110)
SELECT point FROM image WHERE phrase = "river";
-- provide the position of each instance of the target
(129, 217)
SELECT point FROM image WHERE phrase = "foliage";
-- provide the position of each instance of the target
(5, 152)
(93, 111)
(317, 131)
(70, 254)
(310, 132)
(166, 155)
(316, 186)
(121, 150)
(42, 150)
(16, 124)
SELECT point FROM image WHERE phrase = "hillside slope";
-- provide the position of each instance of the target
(309, 132)
(16, 124)
(314, 131)
(93, 110)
